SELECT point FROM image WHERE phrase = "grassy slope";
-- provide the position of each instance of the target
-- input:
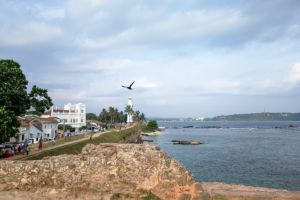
(109, 137)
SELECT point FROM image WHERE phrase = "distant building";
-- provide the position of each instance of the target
(72, 114)
(33, 128)
(200, 119)
(130, 115)
(95, 125)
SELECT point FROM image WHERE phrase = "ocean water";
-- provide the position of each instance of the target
(248, 153)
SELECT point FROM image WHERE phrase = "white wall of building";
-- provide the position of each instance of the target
(35, 128)
(49, 131)
(72, 114)
(32, 134)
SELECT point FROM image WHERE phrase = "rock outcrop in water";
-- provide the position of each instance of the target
(107, 171)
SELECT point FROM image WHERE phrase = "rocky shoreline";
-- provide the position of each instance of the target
(118, 171)
(236, 192)
(105, 171)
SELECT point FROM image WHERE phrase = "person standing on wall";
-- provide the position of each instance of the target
(40, 144)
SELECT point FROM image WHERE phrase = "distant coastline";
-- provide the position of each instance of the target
(258, 117)
(264, 116)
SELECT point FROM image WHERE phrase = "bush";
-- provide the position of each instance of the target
(152, 126)
(82, 128)
(66, 127)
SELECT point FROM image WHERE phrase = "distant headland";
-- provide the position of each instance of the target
(258, 117)
(264, 116)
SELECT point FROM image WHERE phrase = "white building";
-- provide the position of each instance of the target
(50, 126)
(71, 114)
(130, 115)
(33, 128)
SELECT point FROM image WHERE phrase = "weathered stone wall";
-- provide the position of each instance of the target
(107, 171)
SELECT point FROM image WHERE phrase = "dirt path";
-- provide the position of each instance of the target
(37, 152)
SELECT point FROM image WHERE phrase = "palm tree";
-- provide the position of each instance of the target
(142, 117)
(103, 116)
(136, 116)
(129, 110)
(111, 112)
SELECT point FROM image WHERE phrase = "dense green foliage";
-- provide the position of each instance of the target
(128, 110)
(66, 127)
(8, 124)
(109, 137)
(83, 128)
(39, 100)
(259, 117)
(138, 116)
(13, 87)
(111, 116)
(152, 126)
(91, 116)
(14, 99)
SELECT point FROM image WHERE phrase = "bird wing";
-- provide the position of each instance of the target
(124, 86)
(131, 84)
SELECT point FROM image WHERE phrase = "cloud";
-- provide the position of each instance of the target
(294, 77)
(183, 55)
(30, 33)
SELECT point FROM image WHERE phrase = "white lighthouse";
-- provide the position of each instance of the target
(129, 114)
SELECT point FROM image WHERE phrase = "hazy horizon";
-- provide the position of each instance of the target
(188, 58)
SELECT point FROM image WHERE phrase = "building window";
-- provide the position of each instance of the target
(81, 120)
(81, 111)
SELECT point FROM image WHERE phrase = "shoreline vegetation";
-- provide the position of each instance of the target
(151, 129)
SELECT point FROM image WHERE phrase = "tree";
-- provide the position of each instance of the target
(111, 111)
(39, 100)
(91, 116)
(129, 110)
(136, 116)
(13, 85)
(122, 117)
(8, 125)
(14, 99)
(142, 117)
(152, 126)
(103, 116)
(65, 127)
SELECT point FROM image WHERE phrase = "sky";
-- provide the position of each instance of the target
(188, 58)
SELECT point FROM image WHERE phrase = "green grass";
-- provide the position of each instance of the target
(219, 197)
(150, 196)
(109, 137)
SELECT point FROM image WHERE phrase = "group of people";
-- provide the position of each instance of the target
(15, 149)
(19, 148)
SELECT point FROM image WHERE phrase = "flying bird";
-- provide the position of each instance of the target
(129, 87)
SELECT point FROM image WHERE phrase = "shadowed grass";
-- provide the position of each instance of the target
(109, 137)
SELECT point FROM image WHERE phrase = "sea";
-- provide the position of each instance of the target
(254, 153)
